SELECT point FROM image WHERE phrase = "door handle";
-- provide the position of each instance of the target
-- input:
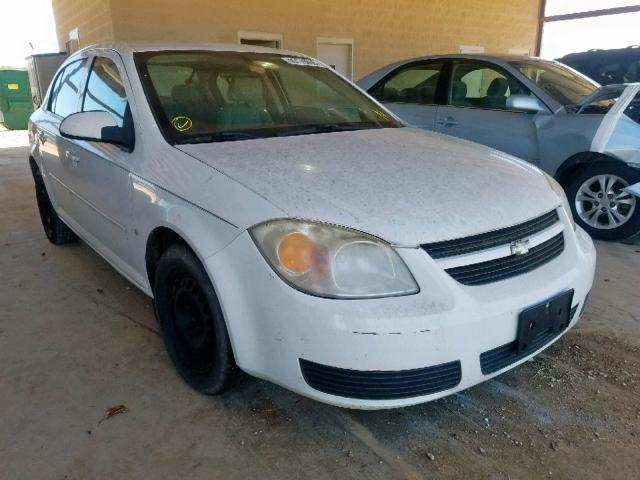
(447, 122)
(72, 157)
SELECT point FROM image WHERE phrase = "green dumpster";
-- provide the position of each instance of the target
(16, 104)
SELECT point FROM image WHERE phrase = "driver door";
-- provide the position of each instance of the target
(99, 176)
(477, 109)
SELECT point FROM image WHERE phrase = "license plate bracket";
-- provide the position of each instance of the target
(552, 314)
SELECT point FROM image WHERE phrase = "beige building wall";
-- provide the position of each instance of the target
(91, 18)
(382, 30)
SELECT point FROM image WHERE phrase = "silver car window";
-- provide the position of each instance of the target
(564, 85)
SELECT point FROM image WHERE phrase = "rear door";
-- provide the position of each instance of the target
(412, 92)
(63, 100)
(100, 173)
(476, 108)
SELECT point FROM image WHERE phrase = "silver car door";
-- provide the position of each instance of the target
(479, 108)
(618, 134)
(100, 174)
(410, 92)
(62, 101)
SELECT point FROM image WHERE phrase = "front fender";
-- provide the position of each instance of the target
(153, 207)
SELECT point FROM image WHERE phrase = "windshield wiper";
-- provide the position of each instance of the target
(219, 137)
(326, 128)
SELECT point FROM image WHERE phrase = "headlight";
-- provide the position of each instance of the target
(331, 261)
(557, 188)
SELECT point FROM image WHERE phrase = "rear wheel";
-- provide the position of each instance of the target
(192, 323)
(54, 228)
(600, 205)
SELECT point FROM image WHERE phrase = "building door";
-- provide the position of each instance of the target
(338, 54)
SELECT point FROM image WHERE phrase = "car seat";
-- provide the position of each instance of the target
(496, 94)
(247, 106)
(189, 101)
(459, 94)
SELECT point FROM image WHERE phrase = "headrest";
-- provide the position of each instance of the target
(185, 94)
(247, 90)
(498, 87)
(459, 91)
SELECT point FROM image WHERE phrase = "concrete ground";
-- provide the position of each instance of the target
(77, 339)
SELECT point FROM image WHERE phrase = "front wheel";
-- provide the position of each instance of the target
(192, 323)
(600, 205)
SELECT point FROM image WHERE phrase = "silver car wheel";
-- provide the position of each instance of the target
(601, 203)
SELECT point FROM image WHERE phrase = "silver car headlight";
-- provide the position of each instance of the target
(559, 191)
(331, 261)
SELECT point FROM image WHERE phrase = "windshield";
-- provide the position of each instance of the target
(561, 83)
(203, 96)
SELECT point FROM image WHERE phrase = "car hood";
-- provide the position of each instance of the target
(607, 92)
(404, 185)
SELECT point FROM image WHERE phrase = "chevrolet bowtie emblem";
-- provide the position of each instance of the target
(520, 247)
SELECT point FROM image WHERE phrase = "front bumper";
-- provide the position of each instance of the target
(274, 328)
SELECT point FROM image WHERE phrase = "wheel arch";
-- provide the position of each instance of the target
(33, 164)
(158, 241)
(577, 161)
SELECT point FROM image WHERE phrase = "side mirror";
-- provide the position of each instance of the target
(97, 127)
(524, 103)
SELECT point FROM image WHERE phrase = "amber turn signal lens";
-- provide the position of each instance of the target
(295, 252)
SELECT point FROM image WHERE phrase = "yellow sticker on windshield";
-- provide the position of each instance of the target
(182, 123)
(13, 86)
(381, 114)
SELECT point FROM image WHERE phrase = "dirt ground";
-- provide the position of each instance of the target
(77, 339)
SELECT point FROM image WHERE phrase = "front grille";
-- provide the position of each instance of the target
(506, 267)
(503, 356)
(483, 241)
(381, 385)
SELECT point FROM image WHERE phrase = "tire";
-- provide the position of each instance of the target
(193, 327)
(605, 213)
(54, 228)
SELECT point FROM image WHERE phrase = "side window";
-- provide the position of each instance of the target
(413, 84)
(610, 72)
(633, 110)
(633, 72)
(64, 95)
(55, 87)
(479, 86)
(105, 90)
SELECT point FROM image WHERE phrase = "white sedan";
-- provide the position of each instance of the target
(287, 225)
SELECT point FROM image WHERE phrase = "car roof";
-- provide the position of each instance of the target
(126, 48)
(496, 58)
(595, 52)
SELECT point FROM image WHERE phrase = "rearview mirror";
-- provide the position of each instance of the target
(524, 103)
(97, 127)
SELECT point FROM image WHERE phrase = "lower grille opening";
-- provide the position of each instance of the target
(498, 358)
(381, 385)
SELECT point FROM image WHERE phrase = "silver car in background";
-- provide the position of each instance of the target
(586, 136)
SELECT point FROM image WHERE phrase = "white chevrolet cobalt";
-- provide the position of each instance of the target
(288, 225)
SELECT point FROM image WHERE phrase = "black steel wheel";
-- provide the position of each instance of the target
(54, 228)
(192, 323)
